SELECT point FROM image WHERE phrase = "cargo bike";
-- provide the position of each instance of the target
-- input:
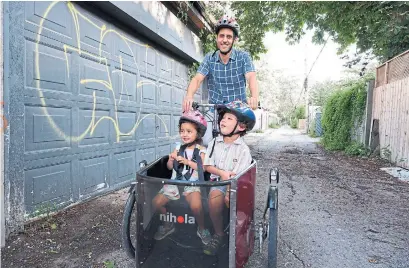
(183, 248)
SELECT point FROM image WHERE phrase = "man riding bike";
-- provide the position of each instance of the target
(227, 70)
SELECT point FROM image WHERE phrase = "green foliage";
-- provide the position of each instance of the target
(311, 130)
(109, 264)
(343, 108)
(191, 71)
(377, 26)
(321, 91)
(357, 148)
(294, 123)
(273, 125)
(298, 113)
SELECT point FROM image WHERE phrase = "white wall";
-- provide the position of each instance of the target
(261, 119)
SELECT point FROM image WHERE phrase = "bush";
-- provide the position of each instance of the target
(342, 109)
(274, 125)
(357, 148)
(311, 130)
(294, 123)
(298, 113)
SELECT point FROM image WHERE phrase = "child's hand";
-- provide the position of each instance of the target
(173, 156)
(226, 175)
(182, 160)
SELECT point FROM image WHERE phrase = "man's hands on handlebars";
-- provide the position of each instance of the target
(188, 102)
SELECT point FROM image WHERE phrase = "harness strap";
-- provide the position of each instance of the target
(180, 167)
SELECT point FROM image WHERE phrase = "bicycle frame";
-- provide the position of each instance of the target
(215, 129)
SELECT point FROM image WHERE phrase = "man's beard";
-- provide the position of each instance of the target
(227, 50)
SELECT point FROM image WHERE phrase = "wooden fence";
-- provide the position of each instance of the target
(391, 107)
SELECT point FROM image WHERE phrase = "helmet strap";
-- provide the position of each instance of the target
(234, 131)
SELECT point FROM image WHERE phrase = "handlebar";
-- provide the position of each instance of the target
(196, 105)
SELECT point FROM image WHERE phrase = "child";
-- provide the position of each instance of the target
(192, 126)
(226, 156)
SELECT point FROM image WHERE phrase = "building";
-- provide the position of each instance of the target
(90, 89)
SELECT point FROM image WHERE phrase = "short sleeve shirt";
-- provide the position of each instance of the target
(234, 157)
(189, 154)
(226, 82)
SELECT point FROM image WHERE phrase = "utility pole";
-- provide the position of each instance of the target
(306, 87)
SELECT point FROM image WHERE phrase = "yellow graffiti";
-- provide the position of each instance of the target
(75, 14)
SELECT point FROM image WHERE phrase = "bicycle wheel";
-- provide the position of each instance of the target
(272, 238)
(129, 226)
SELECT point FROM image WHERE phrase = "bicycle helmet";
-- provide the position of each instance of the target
(241, 110)
(228, 22)
(196, 118)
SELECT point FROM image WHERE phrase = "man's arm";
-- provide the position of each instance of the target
(252, 81)
(191, 90)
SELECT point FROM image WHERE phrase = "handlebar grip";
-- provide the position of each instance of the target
(195, 105)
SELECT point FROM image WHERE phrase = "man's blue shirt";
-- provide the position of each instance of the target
(226, 82)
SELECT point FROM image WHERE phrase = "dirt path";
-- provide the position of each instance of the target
(335, 211)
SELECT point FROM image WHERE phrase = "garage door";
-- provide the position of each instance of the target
(96, 100)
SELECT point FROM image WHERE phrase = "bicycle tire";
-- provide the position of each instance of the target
(126, 226)
(272, 238)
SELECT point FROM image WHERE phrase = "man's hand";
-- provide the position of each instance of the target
(187, 103)
(253, 103)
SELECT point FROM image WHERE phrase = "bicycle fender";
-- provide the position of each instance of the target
(272, 197)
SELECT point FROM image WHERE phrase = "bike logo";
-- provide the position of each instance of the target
(169, 217)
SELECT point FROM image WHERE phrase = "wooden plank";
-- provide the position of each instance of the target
(405, 124)
(394, 123)
(398, 141)
(392, 118)
(382, 122)
(386, 119)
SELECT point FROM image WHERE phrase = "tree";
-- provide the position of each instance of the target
(380, 27)
(280, 93)
(321, 91)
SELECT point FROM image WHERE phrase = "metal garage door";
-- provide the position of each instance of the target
(94, 101)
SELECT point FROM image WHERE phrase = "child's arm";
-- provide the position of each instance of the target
(223, 174)
(172, 157)
(243, 163)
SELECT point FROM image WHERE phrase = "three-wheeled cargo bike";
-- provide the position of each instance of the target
(184, 248)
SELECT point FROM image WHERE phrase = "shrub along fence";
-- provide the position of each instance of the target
(344, 119)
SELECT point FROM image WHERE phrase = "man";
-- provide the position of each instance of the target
(227, 71)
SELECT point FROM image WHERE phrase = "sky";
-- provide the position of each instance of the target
(291, 58)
